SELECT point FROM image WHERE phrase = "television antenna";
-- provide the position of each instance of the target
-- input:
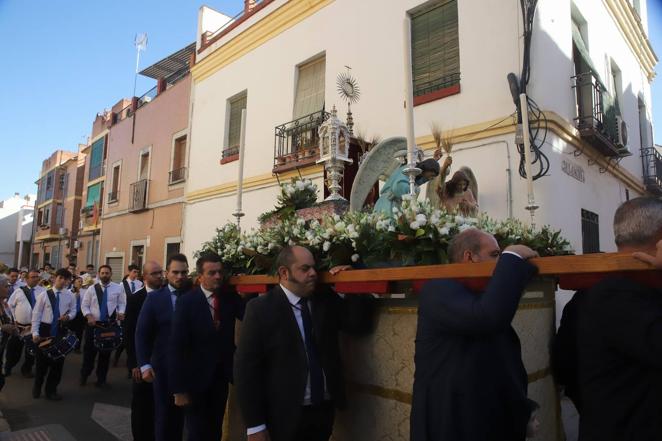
(140, 42)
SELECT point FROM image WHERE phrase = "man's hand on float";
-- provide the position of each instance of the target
(339, 268)
(148, 375)
(182, 400)
(523, 251)
(655, 261)
(260, 436)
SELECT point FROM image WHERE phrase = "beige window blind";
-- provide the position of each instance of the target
(310, 88)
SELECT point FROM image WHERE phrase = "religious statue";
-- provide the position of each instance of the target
(460, 193)
(385, 162)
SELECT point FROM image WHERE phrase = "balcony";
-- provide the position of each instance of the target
(652, 165)
(296, 143)
(97, 171)
(138, 192)
(598, 120)
(251, 7)
(176, 176)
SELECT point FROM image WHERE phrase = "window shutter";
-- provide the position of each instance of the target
(234, 131)
(435, 48)
(310, 88)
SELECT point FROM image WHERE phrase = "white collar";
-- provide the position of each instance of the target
(291, 297)
(207, 292)
(148, 289)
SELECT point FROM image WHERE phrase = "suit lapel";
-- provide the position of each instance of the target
(319, 313)
(201, 299)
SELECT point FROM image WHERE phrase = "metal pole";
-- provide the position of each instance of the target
(240, 180)
(531, 205)
(411, 171)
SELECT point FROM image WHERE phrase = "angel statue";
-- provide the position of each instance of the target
(384, 162)
(459, 194)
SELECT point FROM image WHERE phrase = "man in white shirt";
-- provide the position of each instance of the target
(102, 302)
(12, 276)
(52, 308)
(131, 283)
(21, 302)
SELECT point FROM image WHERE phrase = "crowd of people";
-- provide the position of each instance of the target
(469, 383)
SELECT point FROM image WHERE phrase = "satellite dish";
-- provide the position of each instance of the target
(141, 41)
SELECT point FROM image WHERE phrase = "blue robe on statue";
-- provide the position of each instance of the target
(396, 186)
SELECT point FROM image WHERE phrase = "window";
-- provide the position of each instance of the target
(55, 257)
(137, 255)
(172, 249)
(94, 195)
(115, 184)
(178, 170)
(435, 50)
(590, 232)
(46, 220)
(97, 155)
(40, 217)
(235, 106)
(65, 185)
(49, 186)
(59, 215)
(143, 170)
(615, 84)
(310, 88)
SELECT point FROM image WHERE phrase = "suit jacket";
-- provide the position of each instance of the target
(134, 304)
(470, 383)
(620, 361)
(154, 328)
(271, 367)
(197, 348)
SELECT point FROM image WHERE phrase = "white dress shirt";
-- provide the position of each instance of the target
(43, 313)
(296, 309)
(116, 300)
(20, 306)
(137, 284)
(210, 300)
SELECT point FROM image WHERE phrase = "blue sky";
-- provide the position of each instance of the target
(64, 61)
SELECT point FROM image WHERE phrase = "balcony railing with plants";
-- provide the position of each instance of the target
(652, 165)
(598, 113)
(296, 143)
(138, 192)
(177, 175)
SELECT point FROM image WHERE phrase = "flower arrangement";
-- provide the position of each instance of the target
(299, 193)
(415, 234)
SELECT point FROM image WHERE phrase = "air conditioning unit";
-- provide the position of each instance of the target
(63, 231)
(77, 245)
(621, 133)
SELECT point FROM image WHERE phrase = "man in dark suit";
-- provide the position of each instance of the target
(152, 344)
(470, 383)
(142, 400)
(619, 338)
(202, 350)
(287, 372)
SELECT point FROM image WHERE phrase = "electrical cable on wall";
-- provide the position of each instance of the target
(537, 120)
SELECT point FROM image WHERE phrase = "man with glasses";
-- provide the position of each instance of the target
(142, 400)
(103, 302)
(21, 302)
(152, 340)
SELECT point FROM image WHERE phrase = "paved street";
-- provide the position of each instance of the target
(87, 413)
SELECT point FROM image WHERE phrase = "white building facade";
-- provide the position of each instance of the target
(280, 61)
(16, 215)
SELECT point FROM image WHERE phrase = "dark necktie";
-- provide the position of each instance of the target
(56, 314)
(133, 286)
(315, 369)
(103, 308)
(31, 298)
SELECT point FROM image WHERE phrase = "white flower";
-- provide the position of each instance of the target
(326, 246)
(414, 225)
(340, 226)
(444, 231)
(464, 227)
(355, 257)
(391, 228)
(336, 218)
(421, 219)
(291, 242)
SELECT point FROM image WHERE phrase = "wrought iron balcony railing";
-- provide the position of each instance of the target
(598, 115)
(177, 175)
(297, 142)
(138, 192)
(652, 165)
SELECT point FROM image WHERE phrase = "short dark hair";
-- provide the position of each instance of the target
(33, 270)
(285, 257)
(47, 264)
(429, 165)
(469, 240)
(89, 265)
(179, 257)
(13, 270)
(533, 405)
(106, 266)
(133, 267)
(63, 272)
(206, 257)
(638, 222)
